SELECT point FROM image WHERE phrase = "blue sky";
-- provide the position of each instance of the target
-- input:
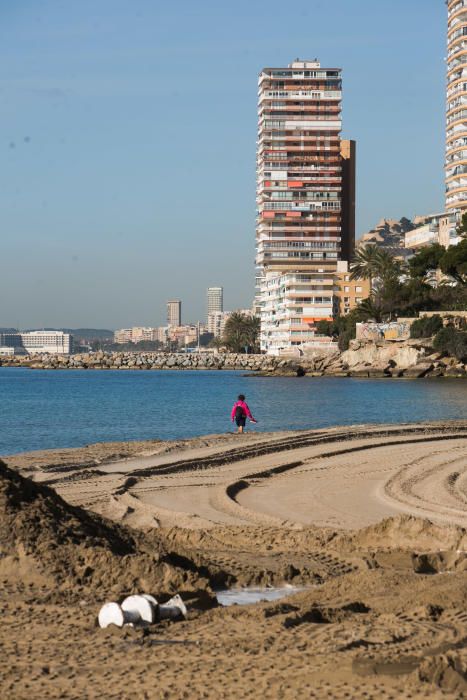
(127, 142)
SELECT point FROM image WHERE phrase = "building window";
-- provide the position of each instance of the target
(347, 278)
(358, 290)
(346, 289)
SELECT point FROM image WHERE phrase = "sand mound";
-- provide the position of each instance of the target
(46, 542)
(405, 532)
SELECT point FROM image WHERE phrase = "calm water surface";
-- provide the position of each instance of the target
(42, 409)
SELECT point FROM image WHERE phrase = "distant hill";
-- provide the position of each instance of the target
(89, 333)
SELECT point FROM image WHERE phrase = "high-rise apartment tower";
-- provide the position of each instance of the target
(456, 106)
(305, 200)
(174, 312)
(215, 299)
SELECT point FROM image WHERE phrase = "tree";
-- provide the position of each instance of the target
(376, 264)
(371, 309)
(462, 228)
(427, 259)
(452, 341)
(241, 332)
(454, 262)
(341, 328)
(365, 264)
(426, 327)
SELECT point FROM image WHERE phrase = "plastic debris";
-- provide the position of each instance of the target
(112, 614)
(173, 609)
(141, 610)
(142, 607)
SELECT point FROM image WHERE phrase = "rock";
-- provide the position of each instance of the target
(419, 370)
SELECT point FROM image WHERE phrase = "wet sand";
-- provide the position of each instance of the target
(370, 520)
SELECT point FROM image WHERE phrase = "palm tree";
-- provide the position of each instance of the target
(365, 264)
(370, 309)
(241, 332)
(371, 262)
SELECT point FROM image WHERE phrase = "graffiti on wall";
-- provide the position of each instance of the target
(395, 330)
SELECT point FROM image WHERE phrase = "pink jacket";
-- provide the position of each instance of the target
(244, 405)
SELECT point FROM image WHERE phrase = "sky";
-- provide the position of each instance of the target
(128, 136)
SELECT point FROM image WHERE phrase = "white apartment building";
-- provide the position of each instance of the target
(437, 228)
(456, 107)
(424, 235)
(291, 304)
(305, 200)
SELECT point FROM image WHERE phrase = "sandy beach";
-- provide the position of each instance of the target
(368, 521)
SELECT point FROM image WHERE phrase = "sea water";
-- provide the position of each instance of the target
(43, 409)
(250, 596)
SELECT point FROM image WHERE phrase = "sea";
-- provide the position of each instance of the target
(44, 409)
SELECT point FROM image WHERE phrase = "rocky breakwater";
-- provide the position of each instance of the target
(147, 361)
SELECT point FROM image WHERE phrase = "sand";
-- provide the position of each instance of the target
(370, 521)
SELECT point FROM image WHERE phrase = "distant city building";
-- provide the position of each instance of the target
(425, 234)
(122, 336)
(183, 335)
(348, 293)
(404, 237)
(305, 200)
(448, 234)
(174, 312)
(215, 300)
(11, 340)
(142, 333)
(160, 334)
(456, 110)
(139, 334)
(32, 342)
(216, 322)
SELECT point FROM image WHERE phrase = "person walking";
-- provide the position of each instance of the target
(240, 412)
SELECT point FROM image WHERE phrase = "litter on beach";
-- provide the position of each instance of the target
(140, 611)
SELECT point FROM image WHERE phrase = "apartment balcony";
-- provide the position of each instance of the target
(331, 235)
(457, 158)
(457, 184)
(456, 104)
(266, 251)
(307, 181)
(456, 171)
(457, 46)
(456, 9)
(460, 129)
(291, 137)
(459, 114)
(459, 17)
(312, 95)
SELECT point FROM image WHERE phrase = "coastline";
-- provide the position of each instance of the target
(371, 359)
